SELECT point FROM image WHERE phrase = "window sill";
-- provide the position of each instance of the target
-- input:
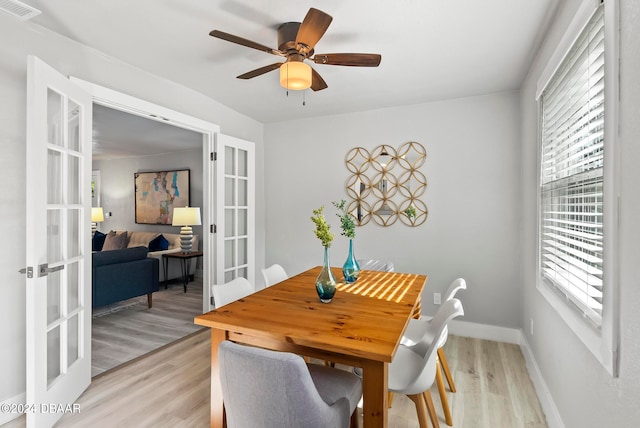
(590, 336)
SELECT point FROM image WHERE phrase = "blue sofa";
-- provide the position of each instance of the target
(123, 274)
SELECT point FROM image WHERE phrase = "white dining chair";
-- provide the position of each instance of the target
(379, 265)
(413, 369)
(420, 331)
(231, 291)
(273, 275)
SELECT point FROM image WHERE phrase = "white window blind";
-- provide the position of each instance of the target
(571, 221)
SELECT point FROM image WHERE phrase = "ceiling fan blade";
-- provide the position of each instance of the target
(259, 71)
(317, 82)
(313, 28)
(244, 42)
(349, 59)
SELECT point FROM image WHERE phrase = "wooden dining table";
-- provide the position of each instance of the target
(361, 327)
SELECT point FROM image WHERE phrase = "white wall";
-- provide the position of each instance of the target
(118, 190)
(472, 169)
(585, 394)
(19, 40)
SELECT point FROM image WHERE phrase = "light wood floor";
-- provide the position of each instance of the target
(493, 386)
(129, 329)
(170, 388)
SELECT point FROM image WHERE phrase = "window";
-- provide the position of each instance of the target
(578, 99)
(572, 132)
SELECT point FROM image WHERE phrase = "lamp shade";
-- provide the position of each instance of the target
(186, 216)
(295, 75)
(97, 214)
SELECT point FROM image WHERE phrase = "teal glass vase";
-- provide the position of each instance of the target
(351, 268)
(326, 282)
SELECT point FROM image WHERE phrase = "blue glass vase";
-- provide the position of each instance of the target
(325, 282)
(351, 268)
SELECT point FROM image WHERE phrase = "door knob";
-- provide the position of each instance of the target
(45, 270)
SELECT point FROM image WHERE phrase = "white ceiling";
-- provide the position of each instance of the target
(431, 50)
(118, 135)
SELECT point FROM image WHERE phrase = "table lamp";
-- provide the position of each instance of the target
(186, 217)
(97, 216)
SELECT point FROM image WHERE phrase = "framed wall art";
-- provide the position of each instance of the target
(157, 193)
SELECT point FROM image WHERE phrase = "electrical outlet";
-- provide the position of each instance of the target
(531, 329)
(436, 298)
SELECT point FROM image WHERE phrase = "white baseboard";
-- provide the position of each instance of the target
(546, 401)
(7, 416)
(515, 336)
(484, 331)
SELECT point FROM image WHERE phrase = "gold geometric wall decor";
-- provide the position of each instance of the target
(386, 185)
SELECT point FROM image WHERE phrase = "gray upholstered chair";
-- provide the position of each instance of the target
(269, 389)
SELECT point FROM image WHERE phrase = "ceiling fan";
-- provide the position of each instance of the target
(296, 42)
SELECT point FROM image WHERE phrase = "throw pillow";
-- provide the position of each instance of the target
(159, 243)
(115, 241)
(97, 242)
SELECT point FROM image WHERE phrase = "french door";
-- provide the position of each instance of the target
(58, 291)
(235, 209)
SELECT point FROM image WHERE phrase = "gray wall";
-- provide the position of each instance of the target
(585, 394)
(472, 169)
(19, 40)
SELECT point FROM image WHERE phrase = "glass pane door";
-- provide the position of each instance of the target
(57, 240)
(236, 211)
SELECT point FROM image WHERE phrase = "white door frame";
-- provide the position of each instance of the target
(129, 104)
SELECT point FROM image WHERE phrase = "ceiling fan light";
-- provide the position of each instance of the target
(295, 75)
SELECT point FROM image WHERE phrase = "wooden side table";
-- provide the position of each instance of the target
(185, 264)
